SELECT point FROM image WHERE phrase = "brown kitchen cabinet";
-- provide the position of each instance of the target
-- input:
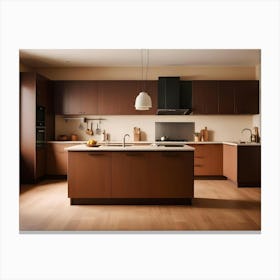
(152, 175)
(118, 97)
(208, 159)
(171, 174)
(238, 97)
(130, 175)
(246, 97)
(57, 158)
(34, 91)
(101, 97)
(205, 97)
(76, 97)
(130, 171)
(242, 164)
(225, 97)
(89, 174)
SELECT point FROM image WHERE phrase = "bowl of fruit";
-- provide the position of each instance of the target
(92, 143)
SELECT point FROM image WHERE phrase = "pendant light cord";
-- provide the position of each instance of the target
(144, 81)
(147, 53)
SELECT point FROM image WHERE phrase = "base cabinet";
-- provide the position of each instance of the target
(130, 174)
(89, 174)
(208, 159)
(242, 165)
(57, 158)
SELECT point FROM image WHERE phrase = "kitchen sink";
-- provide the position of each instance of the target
(117, 145)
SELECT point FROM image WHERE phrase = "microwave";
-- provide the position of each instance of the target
(40, 116)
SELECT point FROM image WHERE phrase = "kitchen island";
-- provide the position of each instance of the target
(133, 174)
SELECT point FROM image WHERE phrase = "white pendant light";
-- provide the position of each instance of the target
(143, 100)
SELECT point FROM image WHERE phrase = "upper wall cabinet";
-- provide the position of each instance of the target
(225, 97)
(102, 97)
(76, 97)
(238, 97)
(205, 97)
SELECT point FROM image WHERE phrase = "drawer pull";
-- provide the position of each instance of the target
(134, 154)
(96, 154)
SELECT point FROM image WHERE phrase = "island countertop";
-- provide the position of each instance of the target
(147, 148)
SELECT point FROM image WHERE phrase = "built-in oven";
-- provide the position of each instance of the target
(40, 126)
(40, 136)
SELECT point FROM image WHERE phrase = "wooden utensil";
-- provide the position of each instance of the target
(137, 134)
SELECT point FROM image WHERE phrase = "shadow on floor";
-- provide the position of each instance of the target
(225, 203)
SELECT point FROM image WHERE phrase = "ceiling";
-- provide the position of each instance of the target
(41, 58)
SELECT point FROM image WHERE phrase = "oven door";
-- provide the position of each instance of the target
(40, 136)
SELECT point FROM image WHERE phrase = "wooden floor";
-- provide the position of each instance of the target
(218, 205)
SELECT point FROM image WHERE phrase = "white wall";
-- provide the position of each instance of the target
(222, 128)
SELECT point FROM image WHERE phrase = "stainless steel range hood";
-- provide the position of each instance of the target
(174, 96)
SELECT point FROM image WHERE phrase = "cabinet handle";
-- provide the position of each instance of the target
(198, 165)
(134, 154)
(198, 157)
(96, 154)
(170, 154)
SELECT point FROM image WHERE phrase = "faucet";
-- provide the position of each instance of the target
(124, 139)
(249, 131)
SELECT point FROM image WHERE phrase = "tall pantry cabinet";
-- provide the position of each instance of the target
(35, 90)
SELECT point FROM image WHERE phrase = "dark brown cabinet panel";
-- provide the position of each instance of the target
(208, 159)
(226, 97)
(130, 172)
(152, 175)
(89, 174)
(34, 91)
(238, 97)
(57, 158)
(205, 97)
(171, 174)
(249, 166)
(101, 97)
(118, 97)
(242, 165)
(246, 97)
(76, 97)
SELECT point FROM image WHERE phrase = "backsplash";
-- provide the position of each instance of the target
(221, 128)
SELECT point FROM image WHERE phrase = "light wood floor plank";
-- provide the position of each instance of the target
(218, 205)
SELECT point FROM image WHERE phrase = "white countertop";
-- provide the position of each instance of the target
(139, 143)
(148, 148)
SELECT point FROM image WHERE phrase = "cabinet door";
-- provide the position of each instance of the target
(109, 100)
(205, 97)
(226, 97)
(127, 92)
(230, 162)
(208, 159)
(249, 166)
(168, 177)
(131, 174)
(67, 97)
(246, 97)
(88, 98)
(89, 174)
